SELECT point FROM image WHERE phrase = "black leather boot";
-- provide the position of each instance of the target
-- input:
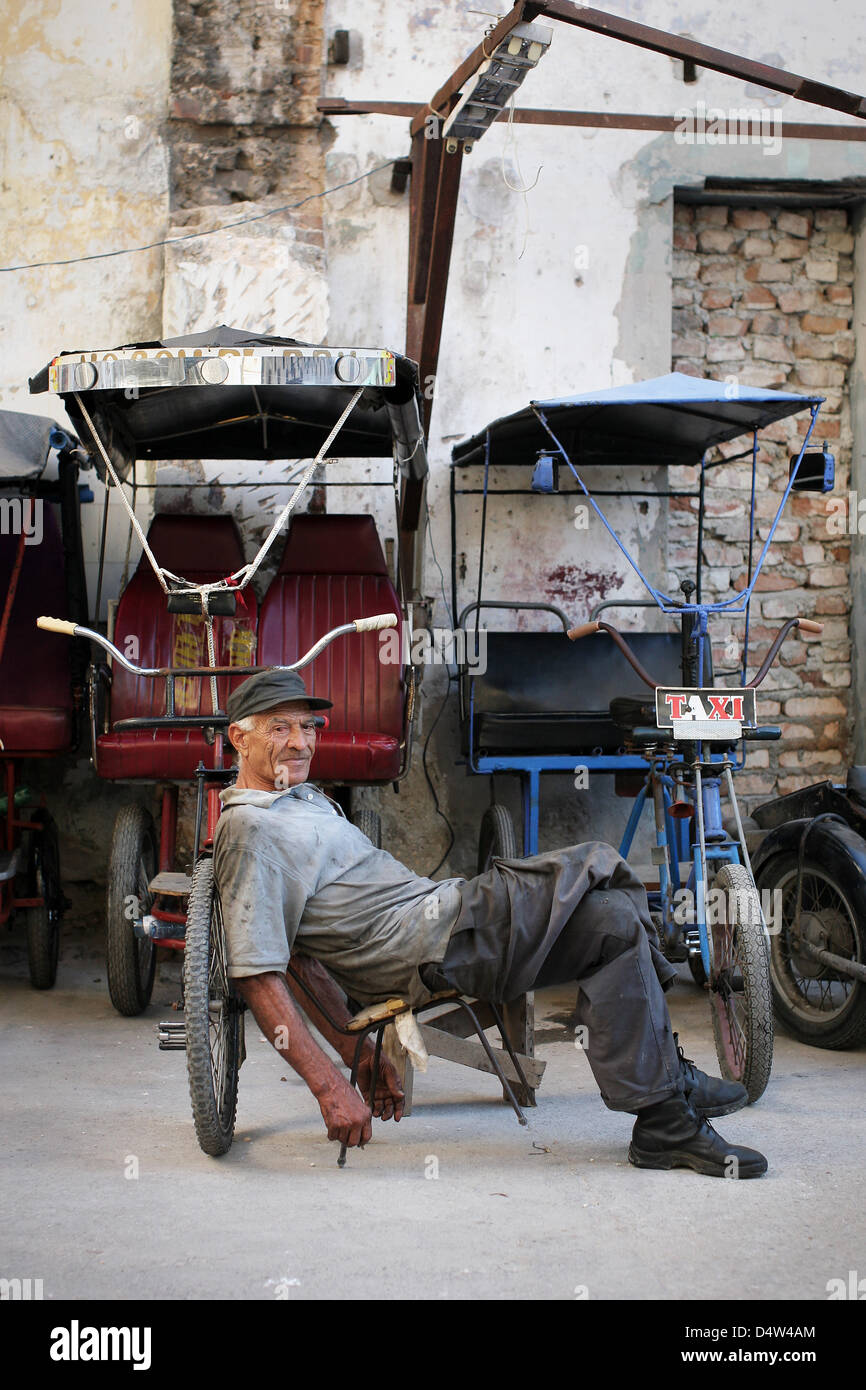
(672, 1134)
(709, 1095)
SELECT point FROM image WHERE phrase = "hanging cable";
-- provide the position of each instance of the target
(193, 236)
(522, 187)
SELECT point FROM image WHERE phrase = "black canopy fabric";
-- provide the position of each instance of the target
(25, 442)
(153, 407)
(669, 419)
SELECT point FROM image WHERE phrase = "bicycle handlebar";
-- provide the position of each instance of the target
(586, 630)
(373, 624)
(57, 625)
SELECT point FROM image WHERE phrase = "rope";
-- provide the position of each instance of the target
(246, 572)
(136, 524)
(241, 577)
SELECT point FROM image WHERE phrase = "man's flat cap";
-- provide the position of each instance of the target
(268, 689)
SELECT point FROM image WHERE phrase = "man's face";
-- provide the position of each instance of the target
(276, 753)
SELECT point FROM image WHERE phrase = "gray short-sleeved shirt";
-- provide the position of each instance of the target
(294, 874)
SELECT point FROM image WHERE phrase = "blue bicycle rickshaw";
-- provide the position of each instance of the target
(542, 706)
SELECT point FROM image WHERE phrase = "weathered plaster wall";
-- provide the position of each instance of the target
(84, 171)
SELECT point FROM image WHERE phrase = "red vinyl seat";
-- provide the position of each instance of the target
(35, 682)
(202, 549)
(332, 571)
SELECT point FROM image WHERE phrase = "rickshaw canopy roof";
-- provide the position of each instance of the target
(227, 393)
(669, 419)
(25, 442)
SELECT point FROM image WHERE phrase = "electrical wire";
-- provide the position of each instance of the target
(523, 188)
(192, 236)
(445, 602)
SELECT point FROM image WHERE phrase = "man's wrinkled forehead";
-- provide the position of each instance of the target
(291, 709)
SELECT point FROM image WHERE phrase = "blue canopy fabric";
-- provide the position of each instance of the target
(669, 419)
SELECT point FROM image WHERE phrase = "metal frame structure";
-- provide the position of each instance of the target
(436, 177)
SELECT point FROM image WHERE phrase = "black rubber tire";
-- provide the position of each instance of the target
(43, 946)
(497, 839)
(213, 1015)
(699, 974)
(43, 922)
(131, 960)
(845, 1026)
(739, 987)
(370, 822)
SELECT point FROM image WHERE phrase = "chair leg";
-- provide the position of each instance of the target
(494, 1061)
(506, 1042)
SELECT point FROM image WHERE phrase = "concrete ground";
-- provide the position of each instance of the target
(106, 1194)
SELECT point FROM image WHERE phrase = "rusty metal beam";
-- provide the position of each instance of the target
(431, 256)
(675, 46)
(599, 120)
(433, 209)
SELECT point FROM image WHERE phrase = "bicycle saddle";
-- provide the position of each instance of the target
(631, 711)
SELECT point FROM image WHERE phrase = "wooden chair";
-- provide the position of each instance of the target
(375, 1018)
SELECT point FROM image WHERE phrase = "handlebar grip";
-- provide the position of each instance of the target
(582, 630)
(809, 625)
(376, 622)
(56, 625)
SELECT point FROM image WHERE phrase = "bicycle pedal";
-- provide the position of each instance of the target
(172, 1037)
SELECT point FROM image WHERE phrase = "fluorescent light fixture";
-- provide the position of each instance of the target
(490, 89)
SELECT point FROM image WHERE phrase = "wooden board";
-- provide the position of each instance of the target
(470, 1053)
(173, 885)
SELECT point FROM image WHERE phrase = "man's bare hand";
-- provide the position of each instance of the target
(389, 1099)
(347, 1118)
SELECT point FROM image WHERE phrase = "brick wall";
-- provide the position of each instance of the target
(245, 78)
(764, 297)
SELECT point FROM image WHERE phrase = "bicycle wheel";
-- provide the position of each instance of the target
(131, 959)
(213, 1017)
(739, 984)
(820, 1005)
(371, 824)
(496, 839)
(43, 922)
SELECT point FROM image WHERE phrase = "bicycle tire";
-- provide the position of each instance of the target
(497, 838)
(834, 900)
(212, 1016)
(739, 985)
(370, 824)
(43, 922)
(130, 959)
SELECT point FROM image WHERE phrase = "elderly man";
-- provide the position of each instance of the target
(297, 879)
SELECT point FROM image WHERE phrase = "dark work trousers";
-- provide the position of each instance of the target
(575, 914)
